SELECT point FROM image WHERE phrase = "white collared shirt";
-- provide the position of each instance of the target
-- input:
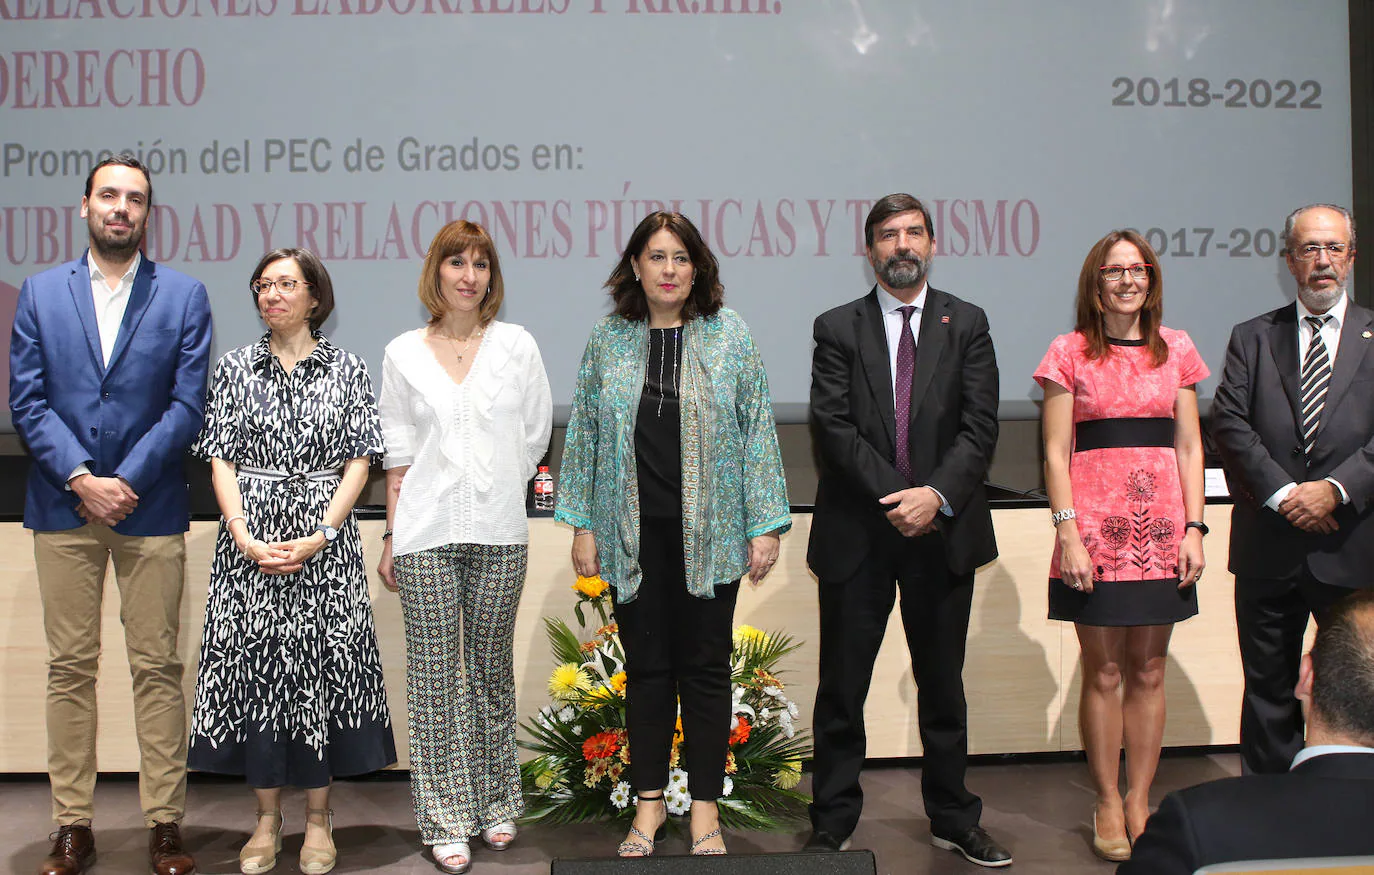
(1318, 750)
(1331, 335)
(892, 324)
(111, 302)
(1331, 331)
(472, 447)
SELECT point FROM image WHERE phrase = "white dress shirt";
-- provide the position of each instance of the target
(1317, 750)
(471, 447)
(110, 304)
(892, 325)
(1331, 335)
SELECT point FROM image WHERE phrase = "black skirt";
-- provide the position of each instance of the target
(1123, 603)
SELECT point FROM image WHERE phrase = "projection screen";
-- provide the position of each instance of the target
(358, 127)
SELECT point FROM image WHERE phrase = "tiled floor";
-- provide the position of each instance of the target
(1041, 812)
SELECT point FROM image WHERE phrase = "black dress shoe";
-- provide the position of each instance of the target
(823, 841)
(976, 846)
(73, 850)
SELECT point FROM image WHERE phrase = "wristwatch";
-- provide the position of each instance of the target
(329, 532)
(1196, 524)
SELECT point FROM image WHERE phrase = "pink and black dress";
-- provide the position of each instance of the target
(1124, 472)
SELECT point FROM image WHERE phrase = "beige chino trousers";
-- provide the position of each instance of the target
(150, 573)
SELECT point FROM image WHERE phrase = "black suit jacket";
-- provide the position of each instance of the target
(1319, 809)
(953, 430)
(1255, 420)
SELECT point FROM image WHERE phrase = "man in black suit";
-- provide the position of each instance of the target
(904, 419)
(1294, 421)
(1319, 808)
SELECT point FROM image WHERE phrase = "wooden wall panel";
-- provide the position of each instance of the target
(1021, 674)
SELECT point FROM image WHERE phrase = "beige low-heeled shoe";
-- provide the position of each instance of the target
(259, 857)
(1111, 850)
(319, 859)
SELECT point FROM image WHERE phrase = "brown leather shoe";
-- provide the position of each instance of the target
(165, 851)
(73, 850)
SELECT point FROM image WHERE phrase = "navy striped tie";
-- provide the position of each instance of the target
(1316, 378)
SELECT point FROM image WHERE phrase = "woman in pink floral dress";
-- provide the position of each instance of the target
(1123, 468)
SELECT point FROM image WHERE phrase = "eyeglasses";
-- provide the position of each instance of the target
(1114, 272)
(1336, 251)
(285, 286)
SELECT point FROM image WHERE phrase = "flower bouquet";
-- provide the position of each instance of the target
(580, 745)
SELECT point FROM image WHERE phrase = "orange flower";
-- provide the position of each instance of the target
(591, 587)
(588, 646)
(601, 746)
(740, 733)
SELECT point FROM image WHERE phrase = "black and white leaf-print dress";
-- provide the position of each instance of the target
(289, 690)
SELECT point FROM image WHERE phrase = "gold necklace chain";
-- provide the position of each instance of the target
(476, 334)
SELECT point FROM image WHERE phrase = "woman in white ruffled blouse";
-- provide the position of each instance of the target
(466, 414)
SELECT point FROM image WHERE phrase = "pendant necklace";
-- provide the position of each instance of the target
(457, 352)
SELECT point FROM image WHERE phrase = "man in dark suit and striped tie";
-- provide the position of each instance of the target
(1294, 420)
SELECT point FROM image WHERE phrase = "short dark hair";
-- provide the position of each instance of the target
(891, 205)
(707, 294)
(455, 238)
(321, 286)
(1343, 668)
(123, 159)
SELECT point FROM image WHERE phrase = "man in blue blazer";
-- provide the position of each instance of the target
(108, 363)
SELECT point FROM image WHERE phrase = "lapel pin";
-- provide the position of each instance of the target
(1367, 334)
(945, 320)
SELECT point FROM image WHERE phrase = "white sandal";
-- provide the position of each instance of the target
(446, 852)
(506, 828)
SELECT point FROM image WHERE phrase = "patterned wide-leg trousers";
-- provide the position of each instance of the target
(459, 605)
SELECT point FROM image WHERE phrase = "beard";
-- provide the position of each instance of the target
(903, 270)
(112, 246)
(1320, 300)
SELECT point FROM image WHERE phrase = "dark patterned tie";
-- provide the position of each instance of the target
(1316, 378)
(906, 366)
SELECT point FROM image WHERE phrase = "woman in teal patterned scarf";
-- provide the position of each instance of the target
(672, 480)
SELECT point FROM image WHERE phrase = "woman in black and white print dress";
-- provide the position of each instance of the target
(466, 411)
(289, 690)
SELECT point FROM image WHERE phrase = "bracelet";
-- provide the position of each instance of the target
(583, 532)
(1196, 524)
(229, 522)
(1062, 516)
(386, 536)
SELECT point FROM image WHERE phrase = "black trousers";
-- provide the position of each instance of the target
(677, 646)
(1271, 619)
(935, 606)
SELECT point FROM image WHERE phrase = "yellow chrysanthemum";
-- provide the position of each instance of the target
(591, 587)
(601, 695)
(746, 634)
(547, 778)
(569, 681)
(788, 776)
(618, 682)
(731, 767)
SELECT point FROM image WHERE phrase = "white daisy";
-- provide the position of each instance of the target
(728, 787)
(678, 801)
(677, 780)
(620, 795)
